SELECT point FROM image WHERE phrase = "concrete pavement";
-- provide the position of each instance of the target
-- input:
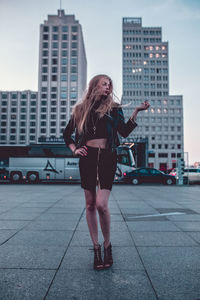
(44, 243)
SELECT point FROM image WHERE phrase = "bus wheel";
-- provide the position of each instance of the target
(135, 181)
(32, 177)
(16, 177)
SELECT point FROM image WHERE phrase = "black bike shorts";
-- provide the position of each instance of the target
(98, 167)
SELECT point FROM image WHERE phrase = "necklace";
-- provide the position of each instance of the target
(94, 124)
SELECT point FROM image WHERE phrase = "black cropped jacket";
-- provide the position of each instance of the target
(115, 124)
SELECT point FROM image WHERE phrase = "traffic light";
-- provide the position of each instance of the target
(182, 165)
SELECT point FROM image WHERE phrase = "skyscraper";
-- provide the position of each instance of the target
(146, 77)
(26, 116)
(62, 72)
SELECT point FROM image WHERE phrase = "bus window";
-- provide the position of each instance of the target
(123, 156)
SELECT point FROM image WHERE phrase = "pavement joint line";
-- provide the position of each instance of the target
(31, 220)
(151, 283)
(63, 256)
(155, 215)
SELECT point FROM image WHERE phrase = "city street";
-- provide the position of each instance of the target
(45, 244)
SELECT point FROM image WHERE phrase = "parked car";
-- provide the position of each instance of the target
(191, 175)
(148, 175)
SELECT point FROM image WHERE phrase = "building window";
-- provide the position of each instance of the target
(55, 37)
(64, 45)
(74, 29)
(55, 28)
(162, 154)
(53, 96)
(74, 53)
(64, 61)
(63, 69)
(44, 77)
(74, 77)
(64, 37)
(74, 37)
(45, 61)
(45, 37)
(55, 53)
(45, 29)
(45, 53)
(4, 96)
(45, 45)
(55, 45)
(73, 69)
(54, 69)
(63, 77)
(64, 53)
(74, 45)
(63, 95)
(54, 61)
(73, 61)
(54, 77)
(64, 29)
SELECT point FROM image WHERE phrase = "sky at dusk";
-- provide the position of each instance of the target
(102, 29)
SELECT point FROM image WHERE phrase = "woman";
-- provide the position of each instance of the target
(96, 121)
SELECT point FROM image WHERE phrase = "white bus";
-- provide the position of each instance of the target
(55, 162)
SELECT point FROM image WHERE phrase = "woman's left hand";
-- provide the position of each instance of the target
(145, 105)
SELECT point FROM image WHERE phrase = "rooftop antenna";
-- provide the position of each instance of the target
(60, 14)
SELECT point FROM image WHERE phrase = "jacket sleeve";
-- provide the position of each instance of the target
(123, 128)
(67, 133)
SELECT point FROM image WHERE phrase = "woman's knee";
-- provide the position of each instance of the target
(102, 209)
(90, 206)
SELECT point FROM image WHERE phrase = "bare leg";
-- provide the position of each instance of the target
(91, 216)
(104, 214)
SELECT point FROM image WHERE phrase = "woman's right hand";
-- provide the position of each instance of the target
(81, 151)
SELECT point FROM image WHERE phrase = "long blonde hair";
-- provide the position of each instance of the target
(82, 108)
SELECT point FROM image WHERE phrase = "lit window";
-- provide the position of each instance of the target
(151, 48)
(151, 55)
(163, 48)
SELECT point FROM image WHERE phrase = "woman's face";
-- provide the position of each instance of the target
(104, 86)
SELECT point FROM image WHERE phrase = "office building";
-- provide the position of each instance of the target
(27, 116)
(18, 117)
(62, 72)
(146, 77)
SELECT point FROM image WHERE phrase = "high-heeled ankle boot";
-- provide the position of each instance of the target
(108, 259)
(98, 262)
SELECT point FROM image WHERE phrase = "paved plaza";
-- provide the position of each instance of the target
(45, 244)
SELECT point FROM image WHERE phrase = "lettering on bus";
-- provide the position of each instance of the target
(71, 163)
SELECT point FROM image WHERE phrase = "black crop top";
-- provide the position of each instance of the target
(96, 127)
